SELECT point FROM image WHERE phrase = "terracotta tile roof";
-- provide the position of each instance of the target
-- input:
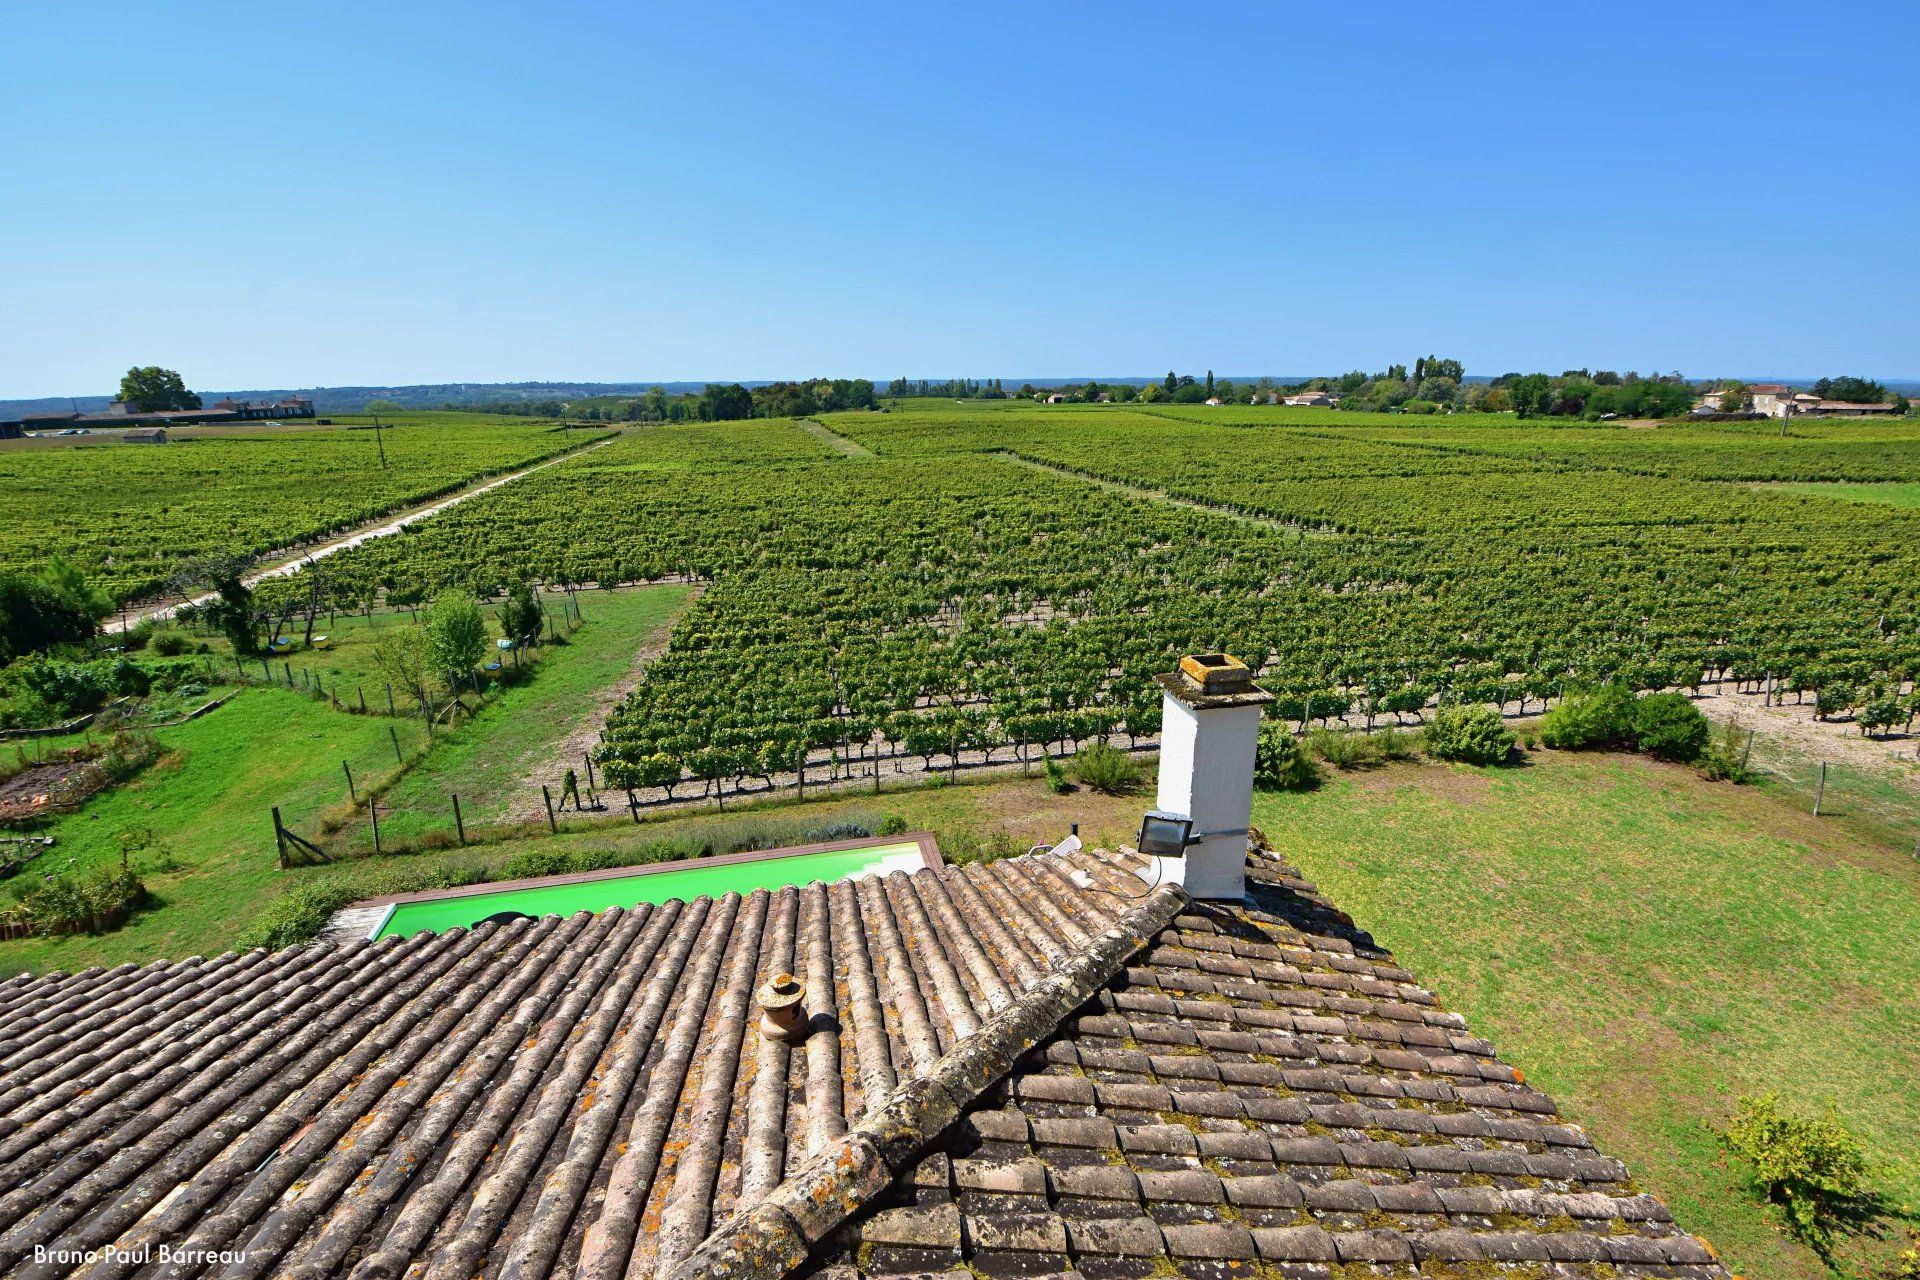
(1263, 1087)
(519, 1100)
(1033, 1067)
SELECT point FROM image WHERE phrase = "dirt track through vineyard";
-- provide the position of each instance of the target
(380, 528)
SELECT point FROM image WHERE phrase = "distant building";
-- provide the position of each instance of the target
(251, 410)
(11, 430)
(1056, 398)
(1776, 400)
(1215, 401)
(144, 435)
(1313, 400)
(1850, 409)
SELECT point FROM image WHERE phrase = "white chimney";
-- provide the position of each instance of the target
(1209, 728)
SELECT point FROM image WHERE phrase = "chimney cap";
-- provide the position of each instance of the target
(1206, 681)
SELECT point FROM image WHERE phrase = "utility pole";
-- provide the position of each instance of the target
(379, 442)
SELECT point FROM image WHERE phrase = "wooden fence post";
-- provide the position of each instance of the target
(459, 826)
(279, 838)
(1820, 794)
(363, 698)
(373, 815)
(351, 793)
(399, 756)
(390, 710)
(289, 670)
(588, 757)
(1746, 755)
(633, 806)
(547, 795)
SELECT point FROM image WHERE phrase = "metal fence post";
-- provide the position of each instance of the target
(280, 837)
(373, 815)
(547, 795)
(1821, 793)
(351, 793)
(459, 826)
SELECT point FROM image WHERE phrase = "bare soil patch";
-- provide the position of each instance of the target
(1791, 726)
(48, 788)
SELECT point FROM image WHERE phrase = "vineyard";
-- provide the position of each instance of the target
(130, 517)
(967, 592)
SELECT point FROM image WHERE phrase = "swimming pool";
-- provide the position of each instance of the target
(630, 886)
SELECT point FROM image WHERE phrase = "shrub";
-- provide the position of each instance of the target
(1669, 727)
(891, 825)
(1107, 769)
(1812, 1169)
(1341, 749)
(1475, 735)
(170, 642)
(1056, 777)
(537, 862)
(1592, 720)
(128, 752)
(1279, 763)
(837, 831)
(1725, 758)
(93, 901)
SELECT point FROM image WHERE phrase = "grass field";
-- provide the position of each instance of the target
(1891, 493)
(1647, 947)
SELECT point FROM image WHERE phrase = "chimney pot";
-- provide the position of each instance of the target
(783, 1015)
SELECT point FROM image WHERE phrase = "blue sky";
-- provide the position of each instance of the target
(268, 195)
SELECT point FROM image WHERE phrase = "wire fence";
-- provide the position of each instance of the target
(1880, 802)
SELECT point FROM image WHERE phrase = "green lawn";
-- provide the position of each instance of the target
(1897, 493)
(511, 748)
(209, 807)
(1647, 946)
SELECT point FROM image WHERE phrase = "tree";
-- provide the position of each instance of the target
(456, 635)
(151, 389)
(33, 615)
(1172, 383)
(726, 402)
(384, 406)
(1153, 393)
(1852, 390)
(232, 613)
(520, 616)
(402, 657)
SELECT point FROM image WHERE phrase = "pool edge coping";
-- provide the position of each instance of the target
(928, 846)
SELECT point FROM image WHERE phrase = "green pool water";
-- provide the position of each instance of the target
(686, 883)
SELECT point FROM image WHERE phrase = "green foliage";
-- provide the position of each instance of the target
(1107, 769)
(1726, 756)
(1340, 748)
(233, 615)
(1812, 1169)
(456, 635)
(403, 657)
(1668, 726)
(1056, 777)
(1278, 762)
(169, 642)
(1597, 719)
(74, 688)
(520, 616)
(128, 752)
(1473, 735)
(151, 389)
(891, 824)
(34, 616)
(92, 901)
